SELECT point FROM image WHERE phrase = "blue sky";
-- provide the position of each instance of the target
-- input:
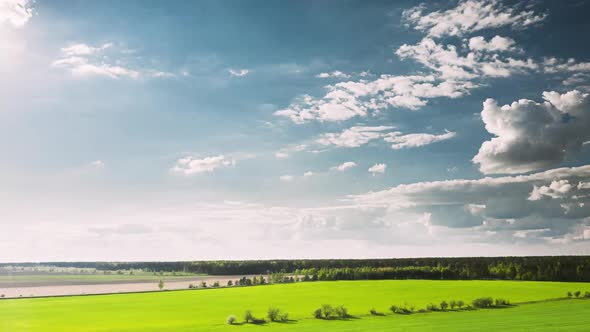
(145, 130)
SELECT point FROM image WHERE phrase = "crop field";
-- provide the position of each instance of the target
(208, 309)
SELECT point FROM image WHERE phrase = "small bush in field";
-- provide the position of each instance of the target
(317, 313)
(444, 305)
(231, 319)
(502, 302)
(483, 302)
(273, 314)
(577, 293)
(284, 317)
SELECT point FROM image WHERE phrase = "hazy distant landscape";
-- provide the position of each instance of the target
(318, 297)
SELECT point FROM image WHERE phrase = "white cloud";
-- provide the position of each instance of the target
(501, 205)
(286, 178)
(353, 136)
(83, 49)
(496, 44)
(285, 153)
(557, 189)
(377, 169)
(401, 141)
(346, 100)
(15, 12)
(238, 72)
(531, 135)
(334, 74)
(555, 65)
(448, 61)
(83, 60)
(308, 174)
(469, 16)
(189, 165)
(344, 166)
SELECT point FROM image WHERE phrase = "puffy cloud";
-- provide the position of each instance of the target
(500, 206)
(353, 136)
(451, 65)
(97, 164)
(344, 166)
(554, 65)
(531, 135)
(189, 165)
(377, 169)
(469, 16)
(496, 44)
(557, 189)
(307, 174)
(401, 141)
(239, 72)
(15, 12)
(346, 100)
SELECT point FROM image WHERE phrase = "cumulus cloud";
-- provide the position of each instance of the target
(530, 135)
(344, 166)
(377, 169)
(557, 189)
(401, 141)
(452, 64)
(238, 72)
(346, 100)
(498, 206)
(452, 71)
(190, 165)
(353, 136)
(469, 16)
(307, 174)
(15, 13)
(496, 44)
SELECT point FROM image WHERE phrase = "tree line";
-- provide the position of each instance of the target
(546, 268)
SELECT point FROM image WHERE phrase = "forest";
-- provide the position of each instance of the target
(542, 268)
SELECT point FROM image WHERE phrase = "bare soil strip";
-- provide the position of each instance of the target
(110, 287)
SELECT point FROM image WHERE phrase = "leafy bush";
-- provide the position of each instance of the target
(191, 286)
(587, 294)
(444, 305)
(374, 312)
(341, 312)
(230, 283)
(203, 284)
(452, 304)
(231, 319)
(216, 284)
(317, 313)
(502, 302)
(248, 317)
(460, 304)
(483, 302)
(577, 293)
(327, 310)
(431, 307)
(400, 310)
(273, 314)
(569, 294)
(284, 317)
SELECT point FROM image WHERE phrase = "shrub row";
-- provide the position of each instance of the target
(273, 314)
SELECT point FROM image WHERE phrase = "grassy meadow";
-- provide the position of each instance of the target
(207, 309)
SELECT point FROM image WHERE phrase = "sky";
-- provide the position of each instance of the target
(188, 130)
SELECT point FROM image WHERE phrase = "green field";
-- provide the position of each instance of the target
(207, 310)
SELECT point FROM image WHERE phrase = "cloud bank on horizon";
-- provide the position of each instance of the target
(461, 129)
